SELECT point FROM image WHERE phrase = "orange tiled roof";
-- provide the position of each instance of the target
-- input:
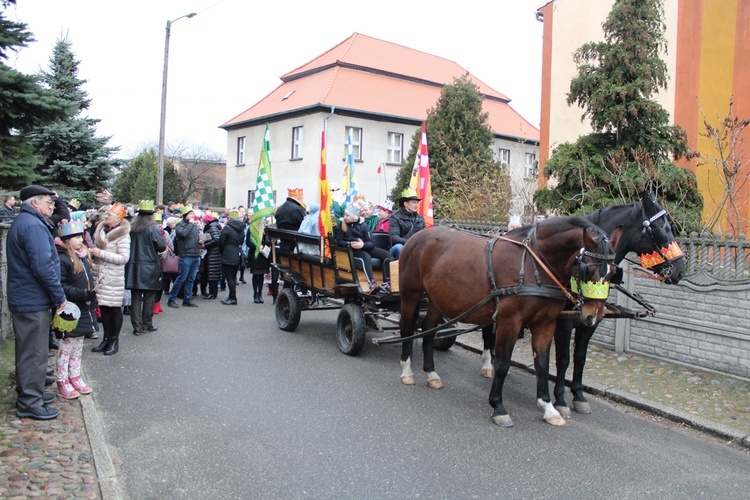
(368, 75)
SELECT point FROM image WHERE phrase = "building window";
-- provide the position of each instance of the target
(240, 151)
(356, 136)
(504, 159)
(297, 134)
(532, 166)
(395, 147)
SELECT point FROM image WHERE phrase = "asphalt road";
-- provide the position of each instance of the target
(220, 403)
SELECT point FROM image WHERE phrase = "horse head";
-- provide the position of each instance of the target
(591, 271)
(657, 248)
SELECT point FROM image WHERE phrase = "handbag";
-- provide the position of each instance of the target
(170, 264)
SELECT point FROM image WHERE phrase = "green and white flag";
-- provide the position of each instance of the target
(263, 205)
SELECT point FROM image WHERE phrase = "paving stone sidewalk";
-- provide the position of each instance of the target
(58, 458)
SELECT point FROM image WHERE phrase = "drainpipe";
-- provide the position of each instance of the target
(325, 121)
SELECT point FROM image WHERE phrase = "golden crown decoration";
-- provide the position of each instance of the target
(146, 205)
(119, 210)
(590, 289)
(234, 214)
(75, 203)
(295, 192)
(652, 259)
(359, 197)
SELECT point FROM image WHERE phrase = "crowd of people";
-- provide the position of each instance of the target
(76, 270)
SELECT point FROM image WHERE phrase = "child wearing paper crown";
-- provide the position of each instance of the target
(78, 284)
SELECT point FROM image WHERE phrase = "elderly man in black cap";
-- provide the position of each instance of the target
(405, 222)
(34, 294)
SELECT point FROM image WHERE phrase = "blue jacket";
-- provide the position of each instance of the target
(33, 265)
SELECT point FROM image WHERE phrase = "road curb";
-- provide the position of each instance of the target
(105, 469)
(641, 403)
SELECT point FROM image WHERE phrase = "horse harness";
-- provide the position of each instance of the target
(521, 289)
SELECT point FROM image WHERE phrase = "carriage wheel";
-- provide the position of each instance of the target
(443, 344)
(288, 310)
(350, 329)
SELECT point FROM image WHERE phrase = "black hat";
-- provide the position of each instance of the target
(34, 190)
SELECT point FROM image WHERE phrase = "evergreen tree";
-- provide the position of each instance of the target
(24, 105)
(72, 156)
(137, 181)
(633, 143)
(466, 179)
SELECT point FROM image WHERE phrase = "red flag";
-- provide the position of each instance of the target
(325, 224)
(424, 189)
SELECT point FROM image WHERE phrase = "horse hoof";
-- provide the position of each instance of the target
(556, 420)
(502, 420)
(582, 407)
(564, 411)
(409, 380)
(487, 373)
(435, 384)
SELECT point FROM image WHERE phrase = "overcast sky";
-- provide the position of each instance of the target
(231, 54)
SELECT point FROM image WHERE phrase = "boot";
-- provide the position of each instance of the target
(80, 386)
(157, 308)
(65, 390)
(102, 345)
(112, 347)
(126, 310)
(52, 342)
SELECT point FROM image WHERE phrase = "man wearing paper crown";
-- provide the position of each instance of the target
(143, 270)
(34, 293)
(290, 214)
(405, 221)
(77, 280)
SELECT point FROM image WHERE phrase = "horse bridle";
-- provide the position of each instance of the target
(657, 257)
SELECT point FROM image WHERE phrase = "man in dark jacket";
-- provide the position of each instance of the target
(187, 248)
(34, 293)
(290, 214)
(6, 210)
(405, 222)
(143, 270)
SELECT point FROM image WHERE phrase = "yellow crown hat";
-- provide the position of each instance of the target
(75, 203)
(146, 206)
(234, 214)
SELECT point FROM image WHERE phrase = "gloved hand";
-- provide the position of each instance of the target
(91, 295)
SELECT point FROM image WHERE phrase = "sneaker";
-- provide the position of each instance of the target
(65, 390)
(189, 303)
(172, 303)
(229, 302)
(80, 386)
(48, 397)
(43, 413)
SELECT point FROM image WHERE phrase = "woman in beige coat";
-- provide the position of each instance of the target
(111, 251)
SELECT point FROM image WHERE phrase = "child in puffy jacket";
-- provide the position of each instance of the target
(78, 284)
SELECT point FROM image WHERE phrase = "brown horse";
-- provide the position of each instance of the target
(459, 270)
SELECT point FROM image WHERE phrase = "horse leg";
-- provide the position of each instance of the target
(430, 320)
(408, 324)
(501, 365)
(489, 347)
(582, 338)
(541, 340)
(563, 331)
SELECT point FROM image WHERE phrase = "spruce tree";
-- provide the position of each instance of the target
(72, 157)
(466, 179)
(137, 181)
(633, 142)
(24, 105)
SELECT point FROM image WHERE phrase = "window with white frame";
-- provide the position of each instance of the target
(395, 148)
(532, 166)
(356, 135)
(297, 134)
(503, 156)
(241, 150)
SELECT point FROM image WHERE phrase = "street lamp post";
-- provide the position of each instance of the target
(160, 175)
